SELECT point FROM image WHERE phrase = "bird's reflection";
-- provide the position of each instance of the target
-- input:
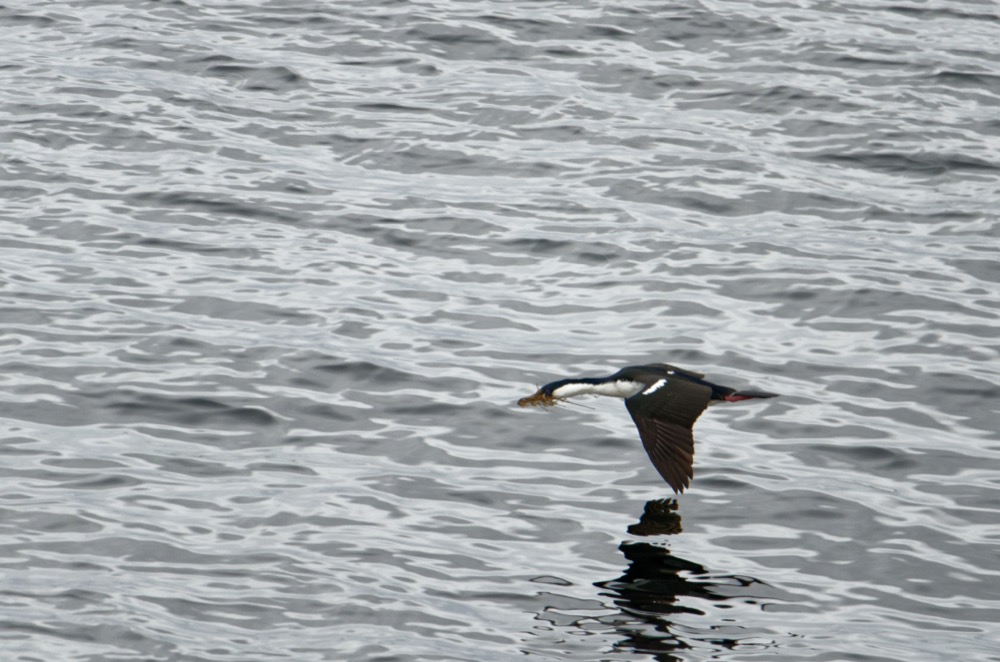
(660, 517)
(657, 586)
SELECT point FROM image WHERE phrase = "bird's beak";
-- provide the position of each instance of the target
(538, 399)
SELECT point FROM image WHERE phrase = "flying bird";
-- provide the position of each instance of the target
(663, 400)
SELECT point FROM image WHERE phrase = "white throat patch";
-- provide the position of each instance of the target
(623, 388)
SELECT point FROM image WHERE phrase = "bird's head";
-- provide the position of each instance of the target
(541, 398)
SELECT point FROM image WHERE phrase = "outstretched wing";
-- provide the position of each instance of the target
(664, 413)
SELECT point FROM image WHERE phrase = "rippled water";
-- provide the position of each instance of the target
(274, 274)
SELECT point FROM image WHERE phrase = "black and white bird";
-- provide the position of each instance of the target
(664, 402)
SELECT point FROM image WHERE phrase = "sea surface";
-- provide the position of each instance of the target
(274, 274)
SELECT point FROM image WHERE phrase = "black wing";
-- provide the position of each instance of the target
(664, 414)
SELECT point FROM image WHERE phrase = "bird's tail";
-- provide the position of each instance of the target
(736, 396)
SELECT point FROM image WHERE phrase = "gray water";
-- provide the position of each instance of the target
(275, 274)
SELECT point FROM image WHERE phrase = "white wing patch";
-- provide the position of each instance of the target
(655, 386)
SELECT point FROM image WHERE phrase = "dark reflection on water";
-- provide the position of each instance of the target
(659, 517)
(658, 585)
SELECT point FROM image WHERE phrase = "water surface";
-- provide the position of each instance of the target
(272, 277)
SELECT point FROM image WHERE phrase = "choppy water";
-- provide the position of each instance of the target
(274, 274)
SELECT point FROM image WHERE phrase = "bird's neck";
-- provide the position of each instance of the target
(622, 388)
